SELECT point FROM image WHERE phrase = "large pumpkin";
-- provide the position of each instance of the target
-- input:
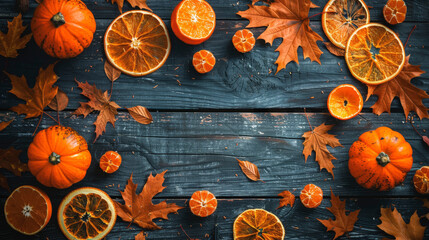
(58, 157)
(380, 159)
(63, 28)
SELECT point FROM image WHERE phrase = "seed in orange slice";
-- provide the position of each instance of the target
(395, 11)
(258, 224)
(243, 40)
(203, 203)
(28, 210)
(137, 43)
(421, 180)
(110, 161)
(311, 196)
(203, 61)
(345, 102)
(193, 21)
(86, 213)
(374, 54)
(341, 18)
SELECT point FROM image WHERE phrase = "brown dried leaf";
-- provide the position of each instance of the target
(59, 102)
(287, 199)
(134, 3)
(3, 125)
(141, 114)
(343, 223)
(250, 170)
(9, 159)
(12, 41)
(316, 141)
(3, 182)
(140, 236)
(334, 49)
(111, 72)
(393, 224)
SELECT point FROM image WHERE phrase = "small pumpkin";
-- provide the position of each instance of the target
(380, 159)
(58, 157)
(63, 28)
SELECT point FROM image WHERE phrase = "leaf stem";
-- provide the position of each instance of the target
(409, 35)
(415, 129)
(317, 14)
(184, 231)
(308, 120)
(41, 116)
(51, 117)
(111, 90)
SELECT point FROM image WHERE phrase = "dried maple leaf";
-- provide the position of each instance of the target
(287, 199)
(316, 140)
(393, 224)
(410, 96)
(111, 72)
(250, 170)
(3, 125)
(140, 236)
(134, 3)
(12, 41)
(3, 182)
(287, 19)
(139, 208)
(98, 102)
(339, 52)
(343, 223)
(59, 102)
(39, 96)
(140, 114)
(9, 159)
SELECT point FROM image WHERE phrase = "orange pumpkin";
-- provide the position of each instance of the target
(380, 159)
(58, 157)
(63, 28)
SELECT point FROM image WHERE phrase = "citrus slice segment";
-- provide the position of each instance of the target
(203, 61)
(86, 213)
(243, 40)
(137, 43)
(374, 54)
(341, 18)
(203, 203)
(193, 21)
(421, 180)
(395, 11)
(345, 102)
(258, 224)
(110, 161)
(28, 210)
(311, 196)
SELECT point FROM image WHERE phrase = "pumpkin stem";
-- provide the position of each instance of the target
(58, 19)
(54, 158)
(383, 159)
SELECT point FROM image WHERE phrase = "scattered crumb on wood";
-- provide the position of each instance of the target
(155, 86)
(176, 68)
(180, 84)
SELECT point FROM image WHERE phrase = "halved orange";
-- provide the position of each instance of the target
(374, 54)
(28, 210)
(341, 18)
(86, 213)
(395, 11)
(243, 40)
(203, 61)
(203, 203)
(110, 161)
(137, 43)
(345, 102)
(258, 224)
(311, 196)
(193, 21)
(421, 180)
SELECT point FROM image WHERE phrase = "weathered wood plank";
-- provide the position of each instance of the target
(237, 82)
(199, 150)
(225, 9)
(299, 222)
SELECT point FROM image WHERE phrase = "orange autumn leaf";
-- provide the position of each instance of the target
(140, 236)
(134, 3)
(3, 125)
(343, 223)
(98, 101)
(287, 199)
(393, 224)
(410, 96)
(59, 102)
(250, 170)
(38, 97)
(12, 41)
(316, 140)
(9, 159)
(139, 209)
(286, 19)
(111, 72)
(140, 114)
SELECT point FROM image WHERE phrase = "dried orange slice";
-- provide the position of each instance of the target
(28, 210)
(345, 102)
(203, 203)
(203, 61)
(110, 161)
(395, 11)
(258, 224)
(243, 40)
(193, 21)
(341, 18)
(311, 196)
(86, 213)
(421, 180)
(137, 43)
(374, 54)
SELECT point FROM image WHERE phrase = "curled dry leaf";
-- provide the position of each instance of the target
(3, 125)
(3, 182)
(287, 199)
(140, 236)
(140, 114)
(12, 41)
(59, 102)
(393, 224)
(9, 159)
(334, 49)
(111, 72)
(250, 170)
(134, 3)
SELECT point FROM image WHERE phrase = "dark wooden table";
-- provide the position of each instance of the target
(203, 122)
